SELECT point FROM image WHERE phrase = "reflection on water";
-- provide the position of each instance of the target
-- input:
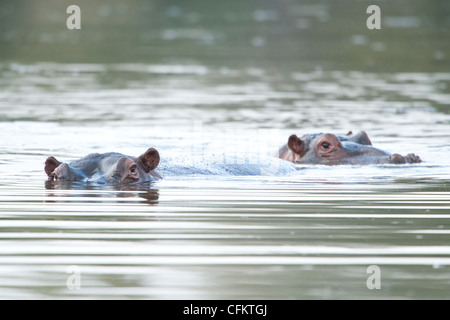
(122, 193)
(224, 87)
(250, 237)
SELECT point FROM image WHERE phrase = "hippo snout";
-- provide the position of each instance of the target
(65, 172)
(399, 159)
(60, 173)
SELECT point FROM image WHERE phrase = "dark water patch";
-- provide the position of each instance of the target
(310, 35)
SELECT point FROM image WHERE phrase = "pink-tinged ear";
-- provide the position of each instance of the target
(149, 160)
(50, 165)
(296, 144)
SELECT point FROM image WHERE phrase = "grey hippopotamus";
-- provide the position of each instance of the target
(109, 167)
(330, 149)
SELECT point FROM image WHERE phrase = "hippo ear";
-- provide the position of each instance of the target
(362, 138)
(296, 144)
(150, 159)
(50, 165)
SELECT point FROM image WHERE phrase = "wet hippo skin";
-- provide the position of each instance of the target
(109, 167)
(330, 149)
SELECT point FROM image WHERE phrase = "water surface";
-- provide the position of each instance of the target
(241, 84)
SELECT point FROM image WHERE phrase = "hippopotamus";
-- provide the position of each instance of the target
(331, 149)
(109, 167)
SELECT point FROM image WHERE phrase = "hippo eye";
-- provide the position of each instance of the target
(325, 145)
(133, 169)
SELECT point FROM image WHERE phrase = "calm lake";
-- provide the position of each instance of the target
(200, 79)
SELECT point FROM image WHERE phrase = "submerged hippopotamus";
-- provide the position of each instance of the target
(330, 149)
(109, 167)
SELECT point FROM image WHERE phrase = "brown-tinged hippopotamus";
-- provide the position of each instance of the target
(330, 149)
(109, 167)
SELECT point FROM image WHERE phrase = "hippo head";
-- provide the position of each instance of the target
(108, 167)
(128, 169)
(330, 149)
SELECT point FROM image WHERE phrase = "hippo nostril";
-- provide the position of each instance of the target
(412, 158)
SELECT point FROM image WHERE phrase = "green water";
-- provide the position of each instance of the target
(302, 35)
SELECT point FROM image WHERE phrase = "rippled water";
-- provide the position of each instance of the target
(224, 86)
(306, 234)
